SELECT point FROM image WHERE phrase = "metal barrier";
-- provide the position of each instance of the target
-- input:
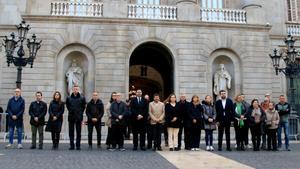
(294, 126)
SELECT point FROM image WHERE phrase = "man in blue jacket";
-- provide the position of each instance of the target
(15, 111)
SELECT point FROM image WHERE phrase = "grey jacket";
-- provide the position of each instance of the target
(209, 112)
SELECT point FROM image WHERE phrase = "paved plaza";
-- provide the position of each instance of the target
(98, 159)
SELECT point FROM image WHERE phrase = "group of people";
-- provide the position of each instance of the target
(175, 119)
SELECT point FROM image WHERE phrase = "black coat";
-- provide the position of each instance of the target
(251, 119)
(55, 109)
(195, 112)
(224, 116)
(139, 108)
(75, 105)
(170, 113)
(183, 109)
(117, 109)
(37, 109)
(94, 110)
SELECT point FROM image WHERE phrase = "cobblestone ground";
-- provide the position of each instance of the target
(98, 159)
(83, 159)
(266, 159)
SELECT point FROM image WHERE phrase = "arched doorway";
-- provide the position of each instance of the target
(151, 68)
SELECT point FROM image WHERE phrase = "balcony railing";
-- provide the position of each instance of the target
(61, 8)
(293, 29)
(223, 15)
(139, 11)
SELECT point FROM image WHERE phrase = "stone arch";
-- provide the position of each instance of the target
(86, 60)
(166, 47)
(233, 64)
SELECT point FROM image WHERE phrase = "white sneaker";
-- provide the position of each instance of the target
(197, 149)
(193, 149)
(8, 145)
(235, 146)
(249, 146)
(20, 146)
(211, 148)
(207, 148)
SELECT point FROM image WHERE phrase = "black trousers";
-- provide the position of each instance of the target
(264, 136)
(156, 131)
(187, 137)
(166, 134)
(109, 137)
(256, 136)
(55, 138)
(272, 139)
(149, 132)
(139, 133)
(247, 135)
(241, 135)
(180, 135)
(195, 137)
(90, 132)
(117, 135)
(221, 130)
(72, 125)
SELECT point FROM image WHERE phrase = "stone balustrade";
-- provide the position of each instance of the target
(293, 29)
(61, 8)
(139, 11)
(223, 15)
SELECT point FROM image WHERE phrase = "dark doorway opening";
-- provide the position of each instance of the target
(151, 69)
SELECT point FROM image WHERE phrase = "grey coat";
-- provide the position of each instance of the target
(209, 112)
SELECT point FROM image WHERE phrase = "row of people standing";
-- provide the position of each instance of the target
(76, 105)
(173, 115)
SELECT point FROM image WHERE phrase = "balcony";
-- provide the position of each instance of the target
(160, 12)
(223, 15)
(293, 28)
(61, 8)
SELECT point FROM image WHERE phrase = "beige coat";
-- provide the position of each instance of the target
(272, 119)
(157, 112)
(108, 115)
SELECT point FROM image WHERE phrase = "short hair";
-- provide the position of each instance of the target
(237, 97)
(282, 95)
(155, 94)
(221, 91)
(207, 96)
(75, 85)
(39, 92)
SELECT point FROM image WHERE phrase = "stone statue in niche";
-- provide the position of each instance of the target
(222, 80)
(74, 77)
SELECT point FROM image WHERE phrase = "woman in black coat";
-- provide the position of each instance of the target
(195, 112)
(173, 122)
(256, 118)
(56, 111)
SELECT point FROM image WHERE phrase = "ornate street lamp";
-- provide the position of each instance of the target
(10, 44)
(292, 64)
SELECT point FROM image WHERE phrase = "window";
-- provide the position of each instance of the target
(212, 4)
(151, 11)
(149, 2)
(212, 15)
(293, 7)
(78, 9)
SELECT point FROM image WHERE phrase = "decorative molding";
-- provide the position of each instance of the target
(93, 20)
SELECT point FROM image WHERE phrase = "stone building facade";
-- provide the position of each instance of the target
(180, 42)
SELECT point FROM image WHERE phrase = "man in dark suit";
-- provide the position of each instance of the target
(225, 112)
(139, 116)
